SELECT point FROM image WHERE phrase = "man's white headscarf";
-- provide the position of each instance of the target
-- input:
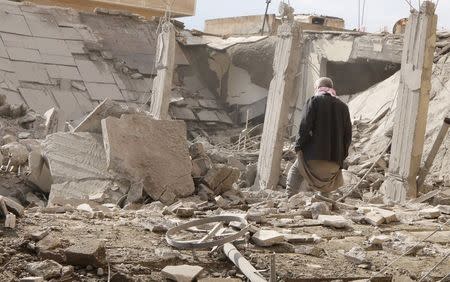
(324, 85)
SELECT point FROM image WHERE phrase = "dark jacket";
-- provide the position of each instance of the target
(325, 130)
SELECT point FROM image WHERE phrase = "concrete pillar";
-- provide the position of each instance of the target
(164, 64)
(281, 91)
(412, 105)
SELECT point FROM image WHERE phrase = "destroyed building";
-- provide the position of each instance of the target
(134, 149)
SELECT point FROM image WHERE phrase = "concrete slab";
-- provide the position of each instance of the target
(31, 72)
(52, 46)
(12, 97)
(267, 238)
(16, 40)
(92, 123)
(87, 252)
(84, 101)
(93, 191)
(124, 82)
(13, 23)
(181, 273)
(23, 54)
(67, 104)
(38, 100)
(156, 150)
(208, 116)
(42, 25)
(64, 72)
(102, 91)
(9, 81)
(95, 72)
(58, 60)
(182, 113)
(75, 156)
(70, 33)
(76, 47)
(3, 53)
(5, 65)
(208, 104)
(10, 8)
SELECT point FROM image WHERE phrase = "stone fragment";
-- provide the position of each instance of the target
(374, 218)
(335, 221)
(39, 235)
(85, 208)
(75, 156)
(156, 150)
(8, 139)
(12, 205)
(86, 252)
(16, 152)
(301, 239)
(181, 273)
(430, 213)
(185, 212)
(220, 178)
(356, 255)
(310, 251)
(24, 135)
(10, 221)
(39, 171)
(445, 209)
(49, 242)
(222, 202)
(33, 200)
(47, 269)
(107, 108)
(32, 279)
(319, 208)
(52, 121)
(136, 192)
(86, 191)
(379, 239)
(267, 238)
(388, 215)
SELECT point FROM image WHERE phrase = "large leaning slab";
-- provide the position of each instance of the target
(75, 156)
(92, 122)
(139, 147)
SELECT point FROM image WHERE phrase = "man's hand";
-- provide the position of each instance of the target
(299, 154)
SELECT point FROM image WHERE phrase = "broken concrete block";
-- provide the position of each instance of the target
(200, 167)
(39, 171)
(47, 269)
(32, 279)
(379, 239)
(220, 178)
(136, 192)
(75, 156)
(181, 273)
(85, 208)
(318, 208)
(52, 121)
(86, 252)
(185, 212)
(86, 191)
(356, 255)
(16, 152)
(8, 139)
(445, 209)
(267, 238)
(197, 150)
(12, 206)
(107, 108)
(389, 216)
(222, 202)
(430, 213)
(49, 242)
(140, 147)
(33, 200)
(335, 221)
(310, 251)
(373, 218)
(301, 239)
(10, 221)
(38, 235)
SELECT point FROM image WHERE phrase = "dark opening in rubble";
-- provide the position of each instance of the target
(356, 76)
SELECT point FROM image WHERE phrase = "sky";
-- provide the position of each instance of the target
(379, 14)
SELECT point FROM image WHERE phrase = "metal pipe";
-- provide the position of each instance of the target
(265, 16)
(243, 264)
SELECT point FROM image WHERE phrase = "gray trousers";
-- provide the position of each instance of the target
(294, 180)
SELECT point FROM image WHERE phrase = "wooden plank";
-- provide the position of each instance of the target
(146, 8)
(165, 65)
(286, 65)
(412, 105)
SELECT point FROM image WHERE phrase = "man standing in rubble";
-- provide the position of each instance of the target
(324, 139)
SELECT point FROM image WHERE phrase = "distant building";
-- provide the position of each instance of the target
(146, 8)
(252, 25)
